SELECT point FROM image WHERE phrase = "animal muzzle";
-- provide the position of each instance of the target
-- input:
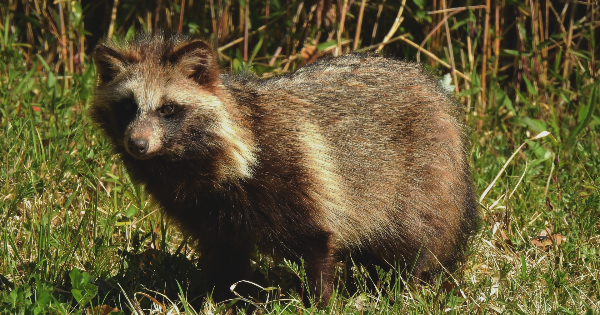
(141, 141)
(137, 147)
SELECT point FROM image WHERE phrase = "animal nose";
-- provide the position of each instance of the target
(138, 147)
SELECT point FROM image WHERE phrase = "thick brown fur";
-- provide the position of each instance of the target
(358, 155)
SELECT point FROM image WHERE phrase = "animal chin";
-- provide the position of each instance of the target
(146, 156)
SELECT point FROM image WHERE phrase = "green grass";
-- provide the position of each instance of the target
(77, 234)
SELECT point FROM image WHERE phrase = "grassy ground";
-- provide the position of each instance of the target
(78, 237)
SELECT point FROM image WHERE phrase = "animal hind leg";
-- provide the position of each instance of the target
(420, 267)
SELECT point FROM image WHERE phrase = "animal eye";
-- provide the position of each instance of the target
(124, 112)
(125, 106)
(167, 110)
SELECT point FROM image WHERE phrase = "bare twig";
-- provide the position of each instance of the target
(63, 34)
(266, 34)
(562, 42)
(278, 50)
(341, 26)
(486, 35)
(148, 21)
(70, 52)
(450, 52)
(487, 190)
(280, 47)
(81, 51)
(63, 42)
(470, 7)
(591, 48)
(236, 41)
(113, 17)
(408, 41)
(53, 28)
(157, 15)
(464, 99)
(380, 8)
(536, 41)
(181, 8)
(359, 24)
(246, 23)
(446, 17)
(296, 56)
(296, 41)
(222, 17)
(30, 38)
(395, 39)
(129, 14)
(497, 36)
(395, 26)
(239, 40)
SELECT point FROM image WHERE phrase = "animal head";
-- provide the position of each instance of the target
(158, 96)
(149, 89)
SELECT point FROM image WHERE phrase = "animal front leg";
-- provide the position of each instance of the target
(319, 260)
(223, 266)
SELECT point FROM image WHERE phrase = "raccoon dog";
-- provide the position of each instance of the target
(358, 155)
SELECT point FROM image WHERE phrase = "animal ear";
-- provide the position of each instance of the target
(109, 62)
(195, 59)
